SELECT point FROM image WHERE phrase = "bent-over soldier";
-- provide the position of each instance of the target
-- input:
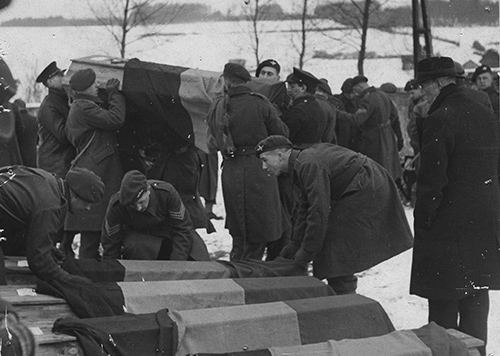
(146, 220)
(35, 202)
(349, 216)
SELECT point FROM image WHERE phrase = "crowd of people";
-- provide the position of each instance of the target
(307, 176)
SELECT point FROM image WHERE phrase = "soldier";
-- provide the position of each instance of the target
(325, 99)
(348, 217)
(483, 77)
(346, 131)
(268, 69)
(251, 198)
(380, 136)
(417, 111)
(91, 129)
(456, 257)
(35, 202)
(55, 152)
(146, 220)
(305, 119)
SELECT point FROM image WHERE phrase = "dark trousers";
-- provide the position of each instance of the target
(244, 250)
(469, 314)
(344, 284)
(89, 244)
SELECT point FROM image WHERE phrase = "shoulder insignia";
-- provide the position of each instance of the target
(111, 230)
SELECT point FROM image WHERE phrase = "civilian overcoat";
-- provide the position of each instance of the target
(88, 123)
(349, 216)
(55, 152)
(457, 211)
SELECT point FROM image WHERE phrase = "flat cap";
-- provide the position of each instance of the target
(347, 86)
(50, 71)
(268, 63)
(435, 67)
(480, 70)
(411, 85)
(82, 79)
(271, 143)
(85, 184)
(237, 71)
(300, 76)
(134, 184)
(359, 79)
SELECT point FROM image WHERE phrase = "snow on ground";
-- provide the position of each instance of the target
(388, 283)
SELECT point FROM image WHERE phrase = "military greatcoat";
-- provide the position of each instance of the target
(91, 129)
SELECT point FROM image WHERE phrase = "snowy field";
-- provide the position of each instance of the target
(208, 46)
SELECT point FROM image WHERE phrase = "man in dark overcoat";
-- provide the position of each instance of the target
(349, 216)
(251, 197)
(346, 131)
(55, 152)
(91, 129)
(147, 220)
(35, 202)
(456, 257)
(305, 118)
(380, 136)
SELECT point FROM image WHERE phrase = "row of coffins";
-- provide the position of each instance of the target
(214, 314)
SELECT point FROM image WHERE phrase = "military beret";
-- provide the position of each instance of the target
(85, 184)
(435, 67)
(82, 79)
(271, 143)
(480, 70)
(347, 86)
(236, 70)
(324, 87)
(359, 79)
(50, 71)
(268, 63)
(411, 85)
(388, 88)
(134, 184)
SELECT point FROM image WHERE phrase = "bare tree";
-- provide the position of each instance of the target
(119, 17)
(257, 11)
(302, 45)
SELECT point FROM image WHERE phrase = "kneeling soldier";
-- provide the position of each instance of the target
(146, 220)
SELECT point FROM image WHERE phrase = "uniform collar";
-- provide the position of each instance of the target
(238, 90)
(95, 99)
(303, 99)
(292, 161)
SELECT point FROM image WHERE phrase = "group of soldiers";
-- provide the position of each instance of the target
(307, 176)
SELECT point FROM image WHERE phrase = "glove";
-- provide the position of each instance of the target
(289, 251)
(302, 258)
(112, 84)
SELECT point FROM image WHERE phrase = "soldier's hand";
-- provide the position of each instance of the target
(113, 83)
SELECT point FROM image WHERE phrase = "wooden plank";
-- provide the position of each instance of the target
(11, 295)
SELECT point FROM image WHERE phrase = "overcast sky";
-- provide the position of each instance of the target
(79, 8)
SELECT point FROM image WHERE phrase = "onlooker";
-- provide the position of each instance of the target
(456, 255)
(483, 77)
(268, 69)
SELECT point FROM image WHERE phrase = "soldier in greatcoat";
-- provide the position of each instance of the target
(483, 78)
(35, 202)
(91, 129)
(147, 220)
(456, 257)
(349, 216)
(55, 152)
(251, 197)
(380, 136)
